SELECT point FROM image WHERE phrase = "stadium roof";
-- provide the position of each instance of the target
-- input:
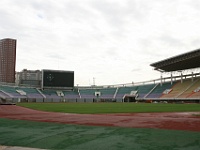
(184, 61)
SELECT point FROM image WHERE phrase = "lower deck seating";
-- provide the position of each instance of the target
(190, 91)
(31, 92)
(143, 90)
(101, 93)
(50, 94)
(195, 95)
(71, 94)
(125, 90)
(87, 93)
(177, 89)
(11, 92)
(159, 89)
(107, 93)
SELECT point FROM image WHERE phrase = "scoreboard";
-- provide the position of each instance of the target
(57, 79)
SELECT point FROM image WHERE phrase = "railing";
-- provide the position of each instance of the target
(155, 81)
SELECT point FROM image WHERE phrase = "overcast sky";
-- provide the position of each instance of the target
(113, 41)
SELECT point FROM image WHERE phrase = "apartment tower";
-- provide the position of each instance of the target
(7, 60)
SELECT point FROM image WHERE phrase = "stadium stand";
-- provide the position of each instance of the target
(187, 89)
(191, 89)
(71, 94)
(11, 92)
(3, 95)
(124, 90)
(88, 93)
(157, 92)
(143, 90)
(51, 95)
(177, 89)
(180, 63)
(31, 92)
(107, 93)
(195, 95)
(183, 87)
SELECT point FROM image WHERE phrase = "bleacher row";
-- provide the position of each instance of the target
(188, 89)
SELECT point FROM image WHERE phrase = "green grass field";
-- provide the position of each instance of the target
(76, 137)
(98, 108)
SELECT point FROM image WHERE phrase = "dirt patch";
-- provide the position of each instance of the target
(174, 121)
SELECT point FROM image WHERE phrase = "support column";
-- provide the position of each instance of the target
(181, 77)
(171, 78)
(161, 82)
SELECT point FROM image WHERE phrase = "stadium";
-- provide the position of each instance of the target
(58, 86)
(157, 114)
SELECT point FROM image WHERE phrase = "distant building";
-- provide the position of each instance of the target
(29, 77)
(7, 60)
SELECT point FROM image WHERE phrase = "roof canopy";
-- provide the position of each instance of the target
(184, 61)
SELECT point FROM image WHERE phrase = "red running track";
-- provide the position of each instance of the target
(174, 121)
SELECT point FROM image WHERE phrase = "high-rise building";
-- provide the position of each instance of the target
(7, 60)
(29, 77)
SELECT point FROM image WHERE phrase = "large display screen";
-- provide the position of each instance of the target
(57, 79)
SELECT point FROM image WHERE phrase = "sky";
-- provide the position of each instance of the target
(104, 42)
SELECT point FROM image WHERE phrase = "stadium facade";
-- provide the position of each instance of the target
(8, 60)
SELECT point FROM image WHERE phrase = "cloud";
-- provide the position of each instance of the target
(114, 41)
